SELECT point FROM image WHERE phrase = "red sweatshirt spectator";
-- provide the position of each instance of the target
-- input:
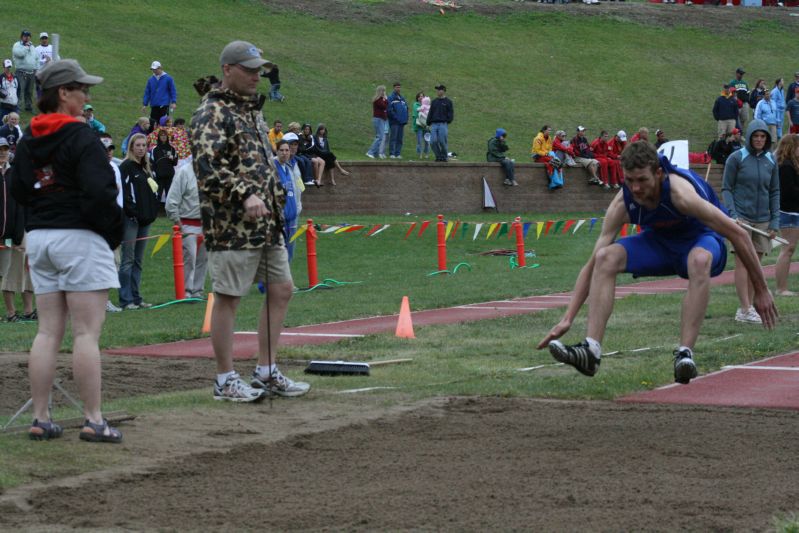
(607, 170)
(616, 147)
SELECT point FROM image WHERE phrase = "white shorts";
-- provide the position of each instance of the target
(70, 260)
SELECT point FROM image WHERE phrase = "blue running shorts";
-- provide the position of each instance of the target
(649, 254)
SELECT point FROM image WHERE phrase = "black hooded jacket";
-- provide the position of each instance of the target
(61, 172)
(12, 216)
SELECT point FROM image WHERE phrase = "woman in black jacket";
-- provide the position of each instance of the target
(788, 159)
(61, 174)
(141, 209)
(164, 158)
(309, 149)
(323, 150)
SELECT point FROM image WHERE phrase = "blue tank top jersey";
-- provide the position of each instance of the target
(665, 220)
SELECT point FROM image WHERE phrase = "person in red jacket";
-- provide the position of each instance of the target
(616, 147)
(607, 170)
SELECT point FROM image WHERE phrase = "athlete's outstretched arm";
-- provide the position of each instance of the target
(615, 217)
(688, 202)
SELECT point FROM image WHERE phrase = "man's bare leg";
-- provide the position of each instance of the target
(610, 262)
(273, 313)
(223, 319)
(697, 297)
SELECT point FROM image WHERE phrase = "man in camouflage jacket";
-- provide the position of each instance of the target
(241, 204)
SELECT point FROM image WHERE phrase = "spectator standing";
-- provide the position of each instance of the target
(292, 186)
(584, 156)
(442, 113)
(24, 55)
(235, 177)
(497, 153)
(183, 209)
(778, 97)
(751, 191)
(379, 123)
(792, 107)
(790, 94)
(397, 118)
(275, 134)
(11, 130)
(94, 124)
(108, 143)
(766, 111)
(272, 73)
(45, 54)
(15, 277)
(741, 88)
(421, 108)
(61, 175)
(9, 86)
(141, 209)
(164, 159)
(725, 111)
(660, 138)
(160, 94)
(788, 160)
(756, 95)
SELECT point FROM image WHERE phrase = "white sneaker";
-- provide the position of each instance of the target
(749, 316)
(111, 308)
(235, 390)
(279, 384)
(370, 156)
(392, 156)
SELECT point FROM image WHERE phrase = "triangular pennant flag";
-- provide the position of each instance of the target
(558, 225)
(591, 227)
(477, 228)
(300, 231)
(577, 226)
(623, 231)
(638, 228)
(331, 229)
(488, 197)
(569, 223)
(385, 227)
(503, 229)
(464, 229)
(424, 227)
(410, 230)
(548, 227)
(525, 229)
(450, 225)
(162, 239)
(350, 229)
(538, 227)
(373, 229)
(491, 229)
(455, 229)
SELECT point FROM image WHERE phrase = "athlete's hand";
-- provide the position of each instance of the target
(255, 208)
(772, 233)
(764, 305)
(556, 332)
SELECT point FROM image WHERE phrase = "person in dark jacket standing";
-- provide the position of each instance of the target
(497, 153)
(788, 159)
(441, 115)
(725, 111)
(397, 118)
(61, 174)
(272, 73)
(141, 209)
(164, 158)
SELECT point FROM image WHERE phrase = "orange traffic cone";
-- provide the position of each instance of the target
(404, 324)
(209, 308)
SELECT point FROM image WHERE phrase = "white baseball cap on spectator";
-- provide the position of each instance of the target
(621, 135)
(155, 65)
(291, 137)
(8, 63)
(44, 35)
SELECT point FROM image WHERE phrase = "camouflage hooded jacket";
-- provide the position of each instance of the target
(231, 160)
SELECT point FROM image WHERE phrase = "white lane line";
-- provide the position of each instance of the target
(366, 389)
(748, 367)
(299, 334)
(498, 308)
(529, 368)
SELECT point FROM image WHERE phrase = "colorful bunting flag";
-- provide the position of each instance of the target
(410, 230)
(477, 228)
(503, 229)
(300, 231)
(491, 229)
(424, 227)
(569, 223)
(548, 227)
(538, 227)
(450, 225)
(162, 239)
(577, 226)
(558, 225)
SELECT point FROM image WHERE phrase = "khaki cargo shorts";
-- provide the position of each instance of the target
(233, 272)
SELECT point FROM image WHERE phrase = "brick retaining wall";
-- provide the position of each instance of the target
(379, 187)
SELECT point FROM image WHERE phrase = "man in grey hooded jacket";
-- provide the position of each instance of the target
(751, 191)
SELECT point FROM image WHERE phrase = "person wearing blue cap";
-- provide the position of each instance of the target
(497, 148)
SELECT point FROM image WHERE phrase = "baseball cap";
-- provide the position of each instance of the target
(740, 70)
(87, 107)
(441, 87)
(43, 35)
(658, 132)
(4, 142)
(621, 135)
(580, 128)
(24, 33)
(155, 65)
(63, 72)
(291, 137)
(108, 143)
(242, 53)
(500, 132)
(8, 63)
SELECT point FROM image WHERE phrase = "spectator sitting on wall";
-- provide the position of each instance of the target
(641, 135)
(497, 150)
(584, 156)
(660, 138)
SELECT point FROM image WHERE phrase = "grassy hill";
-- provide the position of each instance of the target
(517, 65)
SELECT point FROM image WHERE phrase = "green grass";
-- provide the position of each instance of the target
(519, 71)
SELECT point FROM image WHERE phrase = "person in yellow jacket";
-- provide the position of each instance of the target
(542, 153)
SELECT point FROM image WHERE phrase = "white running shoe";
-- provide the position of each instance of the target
(279, 384)
(749, 316)
(111, 308)
(235, 390)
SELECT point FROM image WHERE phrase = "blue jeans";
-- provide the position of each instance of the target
(438, 140)
(379, 144)
(509, 168)
(274, 92)
(395, 144)
(422, 146)
(130, 266)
